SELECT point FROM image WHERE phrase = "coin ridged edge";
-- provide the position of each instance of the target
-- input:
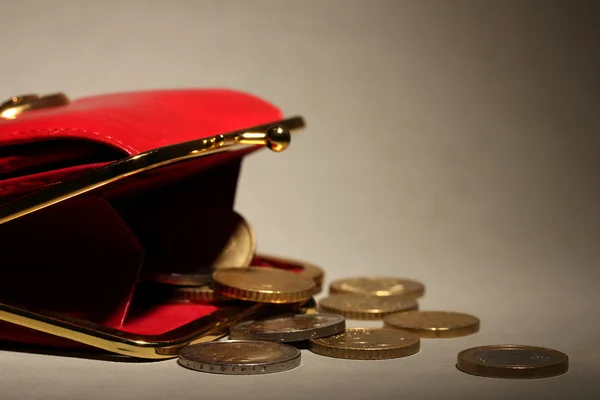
(261, 296)
(252, 251)
(438, 333)
(196, 295)
(464, 364)
(365, 315)
(364, 354)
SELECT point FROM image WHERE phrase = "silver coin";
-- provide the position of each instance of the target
(181, 279)
(293, 328)
(240, 357)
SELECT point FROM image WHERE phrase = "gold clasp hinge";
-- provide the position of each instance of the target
(17, 105)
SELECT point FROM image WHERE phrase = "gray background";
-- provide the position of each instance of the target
(454, 142)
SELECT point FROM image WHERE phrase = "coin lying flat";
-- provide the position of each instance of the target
(199, 294)
(263, 285)
(289, 329)
(355, 306)
(512, 361)
(433, 324)
(378, 286)
(367, 344)
(240, 357)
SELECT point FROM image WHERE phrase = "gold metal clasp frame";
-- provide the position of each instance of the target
(275, 135)
(17, 105)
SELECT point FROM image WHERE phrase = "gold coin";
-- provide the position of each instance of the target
(367, 344)
(306, 269)
(200, 294)
(355, 306)
(378, 286)
(263, 285)
(433, 324)
(512, 361)
(238, 242)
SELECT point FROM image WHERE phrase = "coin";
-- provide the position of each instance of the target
(221, 238)
(199, 294)
(367, 344)
(512, 361)
(289, 329)
(263, 285)
(433, 324)
(304, 268)
(355, 306)
(240, 357)
(378, 286)
(182, 279)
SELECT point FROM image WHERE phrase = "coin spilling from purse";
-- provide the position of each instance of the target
(136, 189)
(273, 344)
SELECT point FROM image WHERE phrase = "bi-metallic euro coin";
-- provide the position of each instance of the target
(512, 361)
(240, 357)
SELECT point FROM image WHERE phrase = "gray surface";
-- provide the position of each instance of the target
(451, 142)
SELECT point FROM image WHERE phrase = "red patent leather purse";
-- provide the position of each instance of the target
(89, 191)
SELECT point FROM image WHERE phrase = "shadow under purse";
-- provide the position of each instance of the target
(96, 192)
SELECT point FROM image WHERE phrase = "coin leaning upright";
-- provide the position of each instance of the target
(227, 241)
(433, 324)
(512, 361)
(289, 329)
(378, 286)
(355, 306)
(263, 285)
(367, 344)
(240, 357)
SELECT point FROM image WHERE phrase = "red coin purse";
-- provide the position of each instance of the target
(90, 193)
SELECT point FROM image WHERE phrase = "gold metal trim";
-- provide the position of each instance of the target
(17, 105)
(205, 329)
(275, 135)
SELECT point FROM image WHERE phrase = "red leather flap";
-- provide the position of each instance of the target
(44, 146)
(135, 122)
